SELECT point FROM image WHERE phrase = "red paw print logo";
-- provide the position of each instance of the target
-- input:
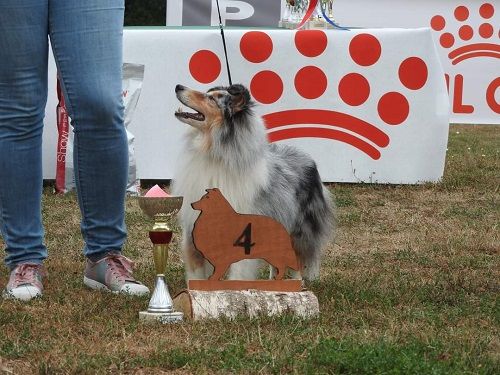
(459, 41)
(311, 82)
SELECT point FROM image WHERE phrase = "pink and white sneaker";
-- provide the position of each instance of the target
(113, 274)
(25, 282)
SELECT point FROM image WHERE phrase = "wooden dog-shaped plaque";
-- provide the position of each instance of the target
(224, 237)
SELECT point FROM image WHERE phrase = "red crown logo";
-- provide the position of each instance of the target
(459, 43)
(311, 82)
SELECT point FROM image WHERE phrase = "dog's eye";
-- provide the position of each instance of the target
(214, 100)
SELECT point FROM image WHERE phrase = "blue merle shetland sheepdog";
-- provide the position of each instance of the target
(227, 148)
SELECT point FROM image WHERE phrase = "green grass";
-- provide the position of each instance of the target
(410, 286)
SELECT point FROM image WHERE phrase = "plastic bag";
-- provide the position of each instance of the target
(133, 76)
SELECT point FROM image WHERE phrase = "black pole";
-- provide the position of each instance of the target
(224, 43)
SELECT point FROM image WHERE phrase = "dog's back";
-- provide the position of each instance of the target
(297, 198)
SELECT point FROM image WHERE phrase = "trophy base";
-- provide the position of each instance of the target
(309, 25)
(164, 318)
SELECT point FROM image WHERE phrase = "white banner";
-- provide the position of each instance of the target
(367, 105)
(466, 33)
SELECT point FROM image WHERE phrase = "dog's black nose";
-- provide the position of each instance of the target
(179, 88)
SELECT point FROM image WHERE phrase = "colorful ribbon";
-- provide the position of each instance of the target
(309, 12)
(335, 26)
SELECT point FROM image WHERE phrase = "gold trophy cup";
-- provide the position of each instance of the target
(161, 209)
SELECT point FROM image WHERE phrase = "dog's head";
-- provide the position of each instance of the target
(218, 106)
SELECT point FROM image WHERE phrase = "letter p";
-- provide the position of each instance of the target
(231, 10)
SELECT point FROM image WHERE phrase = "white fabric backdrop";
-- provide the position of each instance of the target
(407, 114)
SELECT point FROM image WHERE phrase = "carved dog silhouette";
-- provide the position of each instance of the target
(225, 237)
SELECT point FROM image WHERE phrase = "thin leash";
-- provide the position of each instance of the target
(224, 44)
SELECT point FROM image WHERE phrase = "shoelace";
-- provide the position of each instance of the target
(26, 274)
(121, 266)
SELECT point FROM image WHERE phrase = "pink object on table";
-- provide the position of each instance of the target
(156, 192)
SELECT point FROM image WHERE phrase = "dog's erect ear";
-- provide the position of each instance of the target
(240, 97)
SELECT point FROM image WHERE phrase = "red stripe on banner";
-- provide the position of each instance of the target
(337, 135)
(475, 54)
(62, 141)
(474, 47)
(330, 118)
(310, 10)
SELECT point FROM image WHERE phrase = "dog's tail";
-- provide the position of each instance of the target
(316, 226)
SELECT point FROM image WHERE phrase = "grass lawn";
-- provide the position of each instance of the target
(411, 286)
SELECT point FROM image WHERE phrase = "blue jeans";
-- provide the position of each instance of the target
(86, 39)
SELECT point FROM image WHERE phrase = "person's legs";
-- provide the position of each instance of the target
(23, 95)
(86, 38)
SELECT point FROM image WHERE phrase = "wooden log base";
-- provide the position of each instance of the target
(264, 285)
(199, 304)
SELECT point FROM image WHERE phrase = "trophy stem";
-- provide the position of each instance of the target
(160, 256)
(161, 305)
(160, 302)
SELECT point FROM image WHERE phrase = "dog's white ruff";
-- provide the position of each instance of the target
(198, 173)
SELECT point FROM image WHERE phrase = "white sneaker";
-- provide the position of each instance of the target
(25, 282)
(113, 274)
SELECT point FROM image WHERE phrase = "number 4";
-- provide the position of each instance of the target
(245, 239)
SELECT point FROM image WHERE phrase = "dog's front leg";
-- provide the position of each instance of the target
(295, 275)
